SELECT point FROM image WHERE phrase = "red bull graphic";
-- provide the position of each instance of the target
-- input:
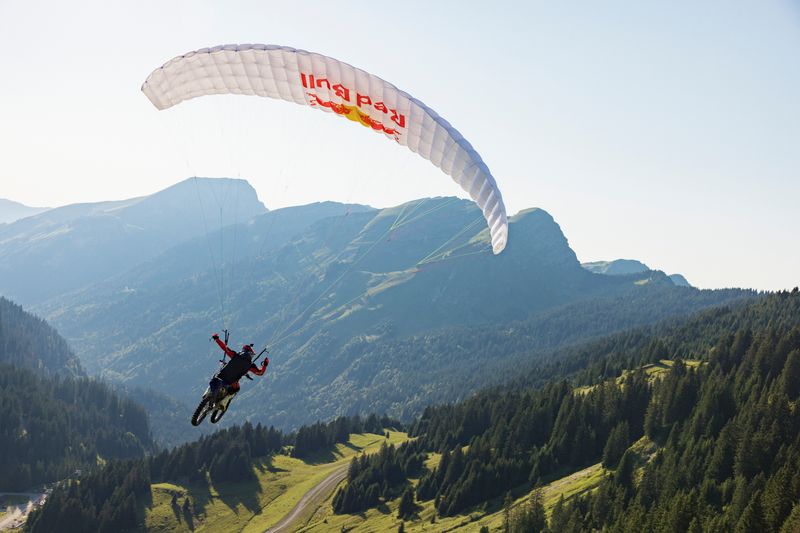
(353, 112)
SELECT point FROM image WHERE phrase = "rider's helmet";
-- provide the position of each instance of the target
(248, 349)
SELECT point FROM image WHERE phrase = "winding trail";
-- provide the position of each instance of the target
(310, 500)
(12, 519)
(16, 517)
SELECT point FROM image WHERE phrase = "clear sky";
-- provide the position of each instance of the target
(667, 132)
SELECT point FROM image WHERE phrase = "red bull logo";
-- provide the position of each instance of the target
(353, 112)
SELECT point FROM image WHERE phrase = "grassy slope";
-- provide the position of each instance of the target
(385, 518)
(654, 371)
(256, 505)
(282, 481)
(9, 502)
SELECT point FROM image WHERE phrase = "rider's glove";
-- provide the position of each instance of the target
(215, 337)
(266, 361)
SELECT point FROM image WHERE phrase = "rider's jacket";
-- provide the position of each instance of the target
(235, 369)
(238, 366)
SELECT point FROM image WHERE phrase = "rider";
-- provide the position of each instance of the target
(240, 364)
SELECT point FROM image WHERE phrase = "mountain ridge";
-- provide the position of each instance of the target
(619, 267)
(69, 247)
(353, 279)
(11, 211)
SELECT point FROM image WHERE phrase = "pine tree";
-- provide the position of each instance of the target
(753, 517)
(624, 473)
(507, 503)
(792, 524)
(407, 507)
(777, 498)
(790, 375)
(538, 519)
(559, 516)
(616, 445)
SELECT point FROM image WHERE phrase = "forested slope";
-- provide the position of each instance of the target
(52, 420)
(51, 427)
(710, 443)
(449, 364)
(114, 497)
(30, 342)
(726, 429)
(366, 310)
(729, 437)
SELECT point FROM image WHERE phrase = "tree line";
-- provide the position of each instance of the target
(728, 437)
(93, 503)
(27, 341)
(54, 420)
(51, 427)
(321, 436)
(380, 476)
(727, 430)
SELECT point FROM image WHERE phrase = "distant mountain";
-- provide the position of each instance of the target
(679, 280)
(351, 302)
(65, 248)
(620, 267)
(11, 211)
(616, 267)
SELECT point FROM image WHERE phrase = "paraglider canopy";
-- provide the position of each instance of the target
(332, 86)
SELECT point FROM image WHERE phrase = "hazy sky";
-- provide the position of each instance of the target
(667, 132)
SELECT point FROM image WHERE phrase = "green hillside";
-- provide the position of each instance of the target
(385, 518)
(242, 478)
(359, 307)
(28, 341)
(726, 421)
(257, 504)
(624, 438)
(53, 421)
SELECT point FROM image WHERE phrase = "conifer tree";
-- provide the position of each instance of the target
(616, 445)
(792, 523)
(407, 507)
(753, 517)
(790, 375)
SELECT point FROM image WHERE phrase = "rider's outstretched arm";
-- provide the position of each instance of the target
(260, 371)
(221, 343)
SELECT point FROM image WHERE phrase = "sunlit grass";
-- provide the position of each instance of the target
(654, 371)
(384, 518)
(256, 505)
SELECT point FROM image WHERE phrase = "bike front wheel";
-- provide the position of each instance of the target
(201, 411)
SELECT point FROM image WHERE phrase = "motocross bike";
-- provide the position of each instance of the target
(216, 400)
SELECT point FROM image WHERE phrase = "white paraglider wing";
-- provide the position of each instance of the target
(328, 84)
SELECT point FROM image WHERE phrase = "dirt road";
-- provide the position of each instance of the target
(19, 513)
(310, 501)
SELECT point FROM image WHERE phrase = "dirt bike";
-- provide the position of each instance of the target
(216, 400)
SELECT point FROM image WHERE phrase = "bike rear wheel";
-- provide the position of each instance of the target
(217, 415)
(201, 411)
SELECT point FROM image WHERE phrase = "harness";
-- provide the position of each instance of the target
(235, 369)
